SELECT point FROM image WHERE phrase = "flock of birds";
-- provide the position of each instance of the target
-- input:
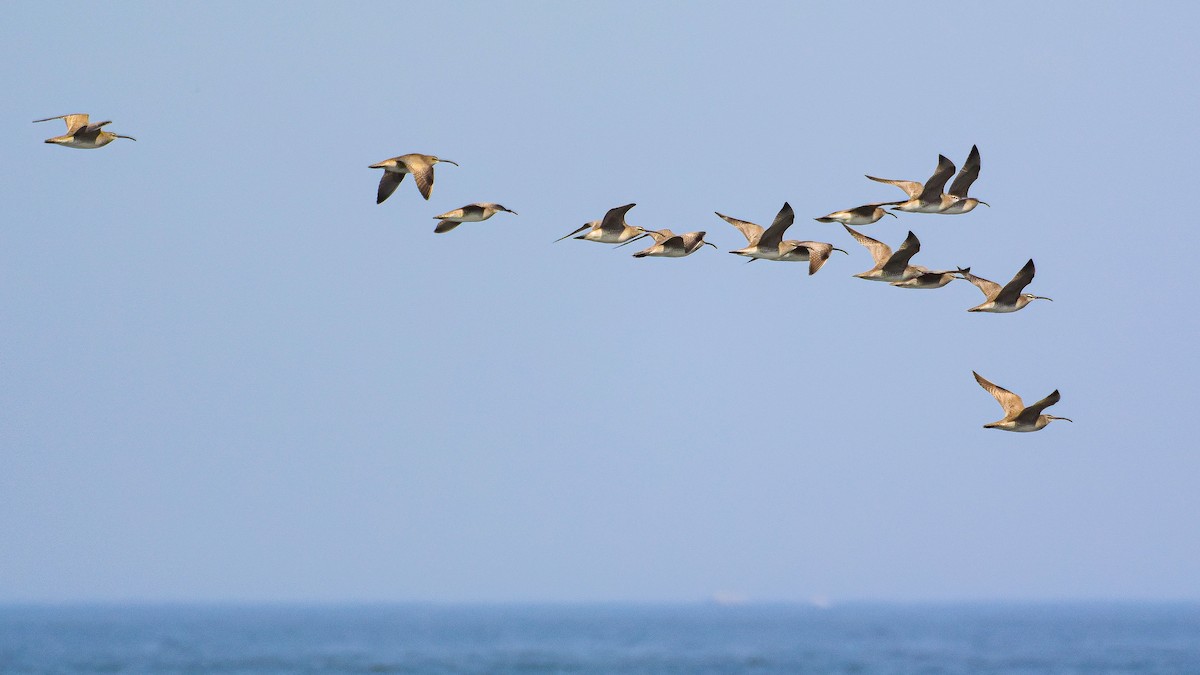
(761, 243)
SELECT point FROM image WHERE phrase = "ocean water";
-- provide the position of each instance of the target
(866, 638)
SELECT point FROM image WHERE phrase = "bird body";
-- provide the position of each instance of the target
(859, 215)
(925, 197)
(81, 134)
(471, 213)
(1018, 417)
(769, 244)
(1009, 298)
(394, 170)
(890, 267)
(612, 229)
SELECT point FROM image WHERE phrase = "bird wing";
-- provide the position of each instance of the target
(880, 252)
(446, 226)
(900, 258)
(868, 210)
(456, 213)
(74, 122)
(387, 185)
(1012, 290)
(749, 230)
(1034, 411)
(614, 220)
(1009, 401)
(989, 288)
(92, 127)
(936, 182)
(911, 187)
(476, 211)
(818, 253)
(586, 226)
(673, 243)
(773, 235)
(967, 175)
(422, 172)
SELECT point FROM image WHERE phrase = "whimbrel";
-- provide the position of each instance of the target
(962, 183)
(927, 197)
(612, 229)
(769, 244)
(80, 134)
(471, 213)
(1017, 417)
(859, 215)
(1007, 299)
(667, 244)
(890, 267)
(420, 166)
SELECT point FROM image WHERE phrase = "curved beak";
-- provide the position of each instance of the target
(1065, 419)
(448, 161)
(1038, 297)
(890, 213)
(843, 251)
(984, 203)
(512, 212)
(129, 137)
(708, 243)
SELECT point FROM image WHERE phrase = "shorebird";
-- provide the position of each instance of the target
(891, 267)
(927, 279)
(612, 229)
(420, 166)
(1017, 417)
(768, 244)
(471, 213)
(667, 244)
(927, 197)
(962, 183)
(80, 134)
(1007, 299)
(859, 215)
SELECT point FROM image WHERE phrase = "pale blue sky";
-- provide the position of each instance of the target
(227, 374)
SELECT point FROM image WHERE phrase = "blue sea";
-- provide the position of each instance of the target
(861, 638)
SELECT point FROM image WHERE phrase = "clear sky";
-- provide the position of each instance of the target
(227, 374)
